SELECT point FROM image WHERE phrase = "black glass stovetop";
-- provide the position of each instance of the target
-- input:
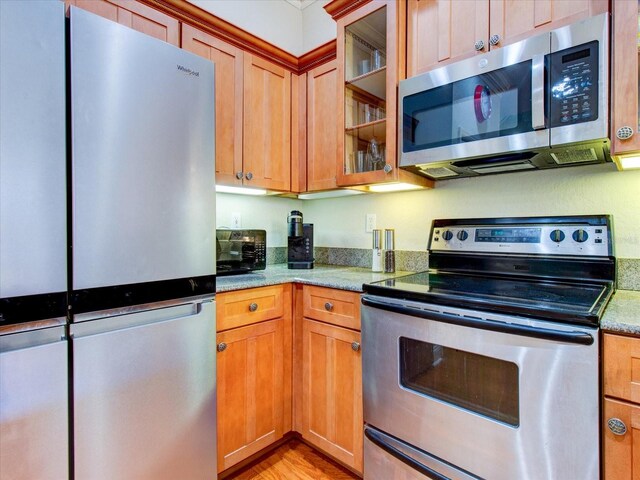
(566, 301)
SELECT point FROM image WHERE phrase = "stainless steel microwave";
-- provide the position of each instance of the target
(539, 103)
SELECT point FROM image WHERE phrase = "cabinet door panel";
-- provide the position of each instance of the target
(443, 31)
(332, 392)
(134, 15)
(229, 83)
(622, 367)
(322, 116)
(515, 20)
(621, 452)
(250, 390)
(625, 101)
(267, 124)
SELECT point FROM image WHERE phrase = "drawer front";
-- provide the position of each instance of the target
(338, 307)
(244, 307)
(622, 367)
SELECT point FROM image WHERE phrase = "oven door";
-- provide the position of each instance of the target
(493, 396)
(486, 105)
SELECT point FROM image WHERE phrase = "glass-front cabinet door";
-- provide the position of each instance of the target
(625, 123)
(370, 62)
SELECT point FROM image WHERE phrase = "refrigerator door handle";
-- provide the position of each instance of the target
(138, 319)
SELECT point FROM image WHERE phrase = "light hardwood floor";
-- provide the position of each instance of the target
(294, 461)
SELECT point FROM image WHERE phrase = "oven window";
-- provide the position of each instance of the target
(483, 385)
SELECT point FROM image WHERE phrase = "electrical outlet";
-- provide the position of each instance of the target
(236, 220)
(370, 223)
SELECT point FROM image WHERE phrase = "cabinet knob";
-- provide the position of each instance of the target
(328, 306)
(494, 40)
(249, 176)
(222, 347)
(239, 175)
(355, 346)
(253, 307)
(387, 168)
(624, 133)
(617, 426)
(479, 45)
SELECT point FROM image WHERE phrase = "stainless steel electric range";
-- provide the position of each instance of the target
(487, 365)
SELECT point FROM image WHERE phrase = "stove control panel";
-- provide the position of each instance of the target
(565, 239)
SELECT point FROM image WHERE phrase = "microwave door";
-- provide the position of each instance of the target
(489, 104)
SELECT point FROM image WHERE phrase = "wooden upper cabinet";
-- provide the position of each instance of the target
(322, 142)
(513, 20)
(370, 60)
(229, 72)
(134, 15)
(625, 104)
(267, 124)
(444, 31)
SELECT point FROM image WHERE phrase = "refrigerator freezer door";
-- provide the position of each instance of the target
(34, 406)
(145, 395)
(143, 170)
(33, 235)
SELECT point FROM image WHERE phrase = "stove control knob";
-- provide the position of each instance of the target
(557, 236)
(462, 235)
(447, 235)
(580, 236)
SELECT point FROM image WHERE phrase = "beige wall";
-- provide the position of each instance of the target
(341, 222)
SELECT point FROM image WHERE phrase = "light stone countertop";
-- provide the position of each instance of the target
(332, 276)
(622, 315)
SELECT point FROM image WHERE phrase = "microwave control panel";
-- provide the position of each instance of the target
(573, 85)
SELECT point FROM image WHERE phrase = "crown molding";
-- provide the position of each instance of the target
(194, 15)
(339, 8)
(322, 54)
(206, 21)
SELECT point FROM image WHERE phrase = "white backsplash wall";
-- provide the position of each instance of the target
(598, 189)
(340, 222)
(264, 213)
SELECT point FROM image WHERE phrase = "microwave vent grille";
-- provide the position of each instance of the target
(575, 156)
(439, 172)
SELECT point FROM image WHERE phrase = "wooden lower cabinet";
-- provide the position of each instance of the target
(332, 391)
(621, 452)
(250, 374)
(621, 411)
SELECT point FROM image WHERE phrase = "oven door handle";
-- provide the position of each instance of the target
(576, 337)
(377, 440)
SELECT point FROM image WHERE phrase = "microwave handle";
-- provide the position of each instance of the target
(537, 92)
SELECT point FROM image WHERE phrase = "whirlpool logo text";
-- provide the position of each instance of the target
(188, 71)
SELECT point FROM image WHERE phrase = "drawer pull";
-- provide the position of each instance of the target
(222, 347)
(617, 426)
(253, 307)
(355, 346)
(328, 306)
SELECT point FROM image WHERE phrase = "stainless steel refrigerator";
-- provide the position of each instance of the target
(141, 260)
(34, 419)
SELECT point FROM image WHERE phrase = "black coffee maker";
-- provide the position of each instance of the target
(300, 251)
